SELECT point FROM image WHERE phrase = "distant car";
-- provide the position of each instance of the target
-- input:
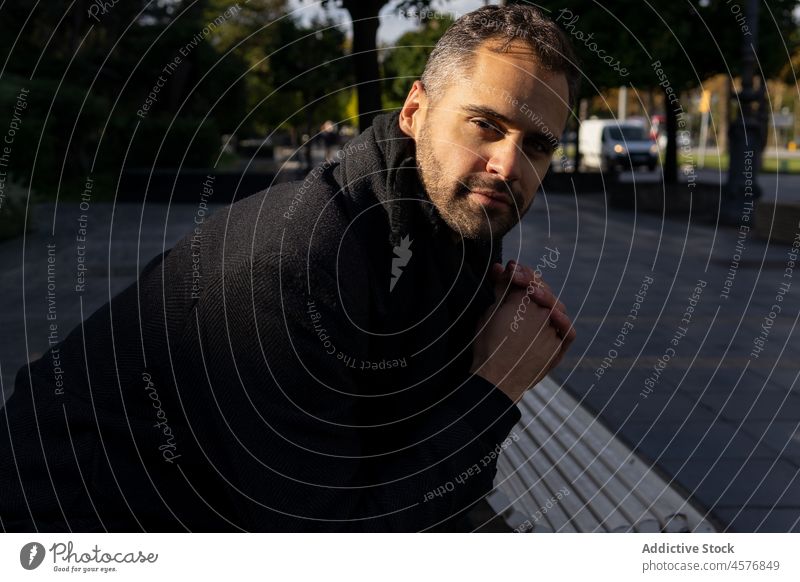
(610, 145)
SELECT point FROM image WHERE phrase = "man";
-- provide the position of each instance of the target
(353, 357)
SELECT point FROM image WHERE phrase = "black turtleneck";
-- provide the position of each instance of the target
(316, 382)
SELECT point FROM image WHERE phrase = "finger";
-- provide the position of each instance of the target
(548, 316)
(566, 342)
(506, 278)
(569, 338)
(512, 271)
(496, 270)
(562, 323)
(527, 277)
(517, 275)
(546, 298)
(521, 275)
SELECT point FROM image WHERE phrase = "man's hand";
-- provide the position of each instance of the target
(523, 335)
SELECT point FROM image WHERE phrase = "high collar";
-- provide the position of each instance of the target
(381, 164)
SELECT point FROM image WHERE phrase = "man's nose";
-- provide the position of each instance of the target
(505, 159)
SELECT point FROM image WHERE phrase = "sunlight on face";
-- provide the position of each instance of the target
(486, 143)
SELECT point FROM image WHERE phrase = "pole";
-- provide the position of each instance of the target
(746, 132)
(701, 146)
(622, 103)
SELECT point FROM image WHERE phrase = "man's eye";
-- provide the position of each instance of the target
(539, 148)
(485, 125)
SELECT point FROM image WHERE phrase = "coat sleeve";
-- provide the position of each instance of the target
(289, 436)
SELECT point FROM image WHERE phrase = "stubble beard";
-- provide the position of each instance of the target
(466, 218)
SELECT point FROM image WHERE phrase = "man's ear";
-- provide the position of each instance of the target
(412, 114)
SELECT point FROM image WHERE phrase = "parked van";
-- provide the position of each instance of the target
(610, 145)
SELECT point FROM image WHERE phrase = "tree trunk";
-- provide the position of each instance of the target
(311, 132)
(671, 155)
(583, 108)
(365, 58)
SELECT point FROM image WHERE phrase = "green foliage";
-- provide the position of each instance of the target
(241, 68)
(171, 142)
(671, 46)
(405, 62)
(693, 39)
(309, 66)
(58, 129)
(364, 58)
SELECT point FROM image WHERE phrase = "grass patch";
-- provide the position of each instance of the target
(770, 164)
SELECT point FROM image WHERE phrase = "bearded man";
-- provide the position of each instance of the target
(354, 352)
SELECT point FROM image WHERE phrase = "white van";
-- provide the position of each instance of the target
(608, 145)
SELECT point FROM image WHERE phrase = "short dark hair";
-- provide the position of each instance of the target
(453, 56)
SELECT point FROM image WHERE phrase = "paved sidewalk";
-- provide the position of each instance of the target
(117, 249)
(674, 376)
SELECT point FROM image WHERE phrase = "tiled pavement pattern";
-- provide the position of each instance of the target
(719, 422)
(119, 242)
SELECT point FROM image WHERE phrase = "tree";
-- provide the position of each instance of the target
(364, 14)
(405, 62)
(690, 40)
(310, 64)
(59, 58)
(94, 68)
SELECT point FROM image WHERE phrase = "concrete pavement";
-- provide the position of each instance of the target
(672, 351)
(120, 240)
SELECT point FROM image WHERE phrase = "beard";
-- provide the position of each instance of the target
(450, 196)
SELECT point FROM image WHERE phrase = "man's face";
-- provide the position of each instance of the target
(484, 146)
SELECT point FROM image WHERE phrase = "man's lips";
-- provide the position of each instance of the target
(494, 197)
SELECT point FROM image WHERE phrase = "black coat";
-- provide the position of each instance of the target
(298, 363)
